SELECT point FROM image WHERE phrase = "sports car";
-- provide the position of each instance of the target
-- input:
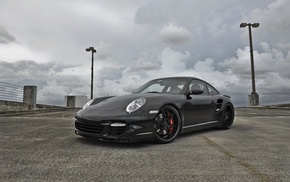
(159, 111)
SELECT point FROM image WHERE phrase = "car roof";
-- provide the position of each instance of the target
(186, 77)
(178, 77)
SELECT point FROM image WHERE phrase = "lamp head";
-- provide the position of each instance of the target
(242, 25)
(255, 25)
(91, 49)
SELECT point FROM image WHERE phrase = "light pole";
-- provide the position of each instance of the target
(254, 97)
(92, 71)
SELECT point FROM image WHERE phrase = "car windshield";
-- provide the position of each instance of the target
(167, 85)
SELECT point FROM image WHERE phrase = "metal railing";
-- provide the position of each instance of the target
(10, 92)
(276, 97)
(47, 98)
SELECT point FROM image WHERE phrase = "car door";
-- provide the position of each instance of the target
(199, 108)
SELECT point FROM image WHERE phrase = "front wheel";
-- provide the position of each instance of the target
(227, 118)
(167, 125)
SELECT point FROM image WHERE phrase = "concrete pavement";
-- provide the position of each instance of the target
(43, 147)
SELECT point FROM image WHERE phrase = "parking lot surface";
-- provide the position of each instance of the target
(43, 147)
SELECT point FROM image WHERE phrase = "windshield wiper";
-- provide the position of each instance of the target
(153, 92)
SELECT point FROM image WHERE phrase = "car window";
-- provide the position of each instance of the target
(157, 87)
(198, 85)
(174, 89)
(211, 90)
(167, 85)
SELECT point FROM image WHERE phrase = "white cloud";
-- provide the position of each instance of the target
(14, 52)
(270, 60)
(235, 80)
(172, 61)
(271, 68)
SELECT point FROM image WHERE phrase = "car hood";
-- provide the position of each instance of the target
(116, 106)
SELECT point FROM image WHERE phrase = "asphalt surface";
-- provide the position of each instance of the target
(43, 147)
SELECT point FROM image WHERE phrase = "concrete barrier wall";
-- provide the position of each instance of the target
(72, 102)
(19, 106)
(13, 106)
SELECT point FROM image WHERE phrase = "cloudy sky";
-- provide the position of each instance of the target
(43, 43)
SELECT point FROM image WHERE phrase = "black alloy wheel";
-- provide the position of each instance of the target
(167, 125)
(227, 118)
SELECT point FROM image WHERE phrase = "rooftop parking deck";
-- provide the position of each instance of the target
(42, 146)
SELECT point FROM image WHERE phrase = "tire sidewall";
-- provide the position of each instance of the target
(163, 141)
(224, 125)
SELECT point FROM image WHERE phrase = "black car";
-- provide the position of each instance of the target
(159, 111)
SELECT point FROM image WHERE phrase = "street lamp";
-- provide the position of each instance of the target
(92, 72)
(254, 97)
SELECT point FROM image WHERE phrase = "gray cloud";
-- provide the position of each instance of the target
(44, 75)
(274, 23)
(26, 67)
(140, 40)
(175, 34)
(5, 36)
(271, 73)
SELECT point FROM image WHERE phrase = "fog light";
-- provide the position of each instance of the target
(131, 130)
(134, 127)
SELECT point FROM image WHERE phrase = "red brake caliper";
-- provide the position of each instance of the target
(171, 122)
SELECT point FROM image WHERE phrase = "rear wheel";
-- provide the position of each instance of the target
(167, 125)
(227, 118)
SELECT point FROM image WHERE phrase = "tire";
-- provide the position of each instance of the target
(167, 125)
(227, 118)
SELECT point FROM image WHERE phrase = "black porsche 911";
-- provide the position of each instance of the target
(158, 111)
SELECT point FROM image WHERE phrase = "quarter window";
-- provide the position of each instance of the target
(212, 91)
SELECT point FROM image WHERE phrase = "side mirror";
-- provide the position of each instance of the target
(193, 92)
(196, 92)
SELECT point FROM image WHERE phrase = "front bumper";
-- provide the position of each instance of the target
(125, 130)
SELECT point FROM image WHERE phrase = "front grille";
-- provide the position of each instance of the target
(97, 129)
(116, 130)
(101, 127)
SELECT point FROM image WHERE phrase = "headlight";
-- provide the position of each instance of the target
(88, 104)
(135, 105)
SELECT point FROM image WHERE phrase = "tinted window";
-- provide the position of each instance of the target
(156, 87)
(212, 91)
(198, 85)
(167, 85)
